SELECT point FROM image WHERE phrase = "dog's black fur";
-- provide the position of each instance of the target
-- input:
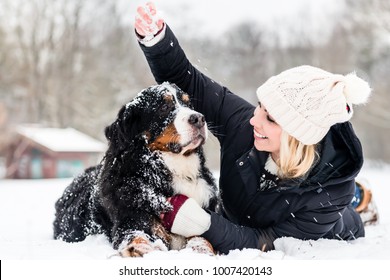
(124, 196)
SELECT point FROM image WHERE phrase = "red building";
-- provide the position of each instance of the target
(39, 152)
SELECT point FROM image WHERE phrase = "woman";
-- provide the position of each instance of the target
(287, 165)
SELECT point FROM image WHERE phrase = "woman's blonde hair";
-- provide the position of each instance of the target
(295, 158)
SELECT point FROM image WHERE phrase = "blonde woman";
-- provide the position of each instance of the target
(288, 165)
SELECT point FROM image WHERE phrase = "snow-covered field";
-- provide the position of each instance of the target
(27, 211)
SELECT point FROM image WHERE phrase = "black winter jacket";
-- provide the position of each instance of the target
(314, 207)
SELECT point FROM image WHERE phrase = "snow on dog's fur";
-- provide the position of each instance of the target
(154, 151)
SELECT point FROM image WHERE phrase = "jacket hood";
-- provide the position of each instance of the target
(341, 158)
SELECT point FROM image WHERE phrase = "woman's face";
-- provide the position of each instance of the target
(266, 132)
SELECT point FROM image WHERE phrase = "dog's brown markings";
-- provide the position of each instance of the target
(200, 245)
(185, 98)
(168, 97)
(137, 247)
(168, 136)
(140, 245)
(159, 230)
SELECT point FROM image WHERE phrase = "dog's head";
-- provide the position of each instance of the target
(161, 117)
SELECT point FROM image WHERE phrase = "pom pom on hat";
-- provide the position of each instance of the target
(306, 101)
(356, 90)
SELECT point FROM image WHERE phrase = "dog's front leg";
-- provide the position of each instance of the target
(200, 245)
(138, 243)
(138, 247)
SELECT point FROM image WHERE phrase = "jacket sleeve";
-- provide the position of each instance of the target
(223, 110)
(225, 236)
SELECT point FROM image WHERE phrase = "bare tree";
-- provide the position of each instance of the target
(74, 62)
(368, 25)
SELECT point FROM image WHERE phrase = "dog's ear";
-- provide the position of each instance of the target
(125, 128)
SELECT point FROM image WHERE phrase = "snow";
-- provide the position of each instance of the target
(27, 213)
(28, 251)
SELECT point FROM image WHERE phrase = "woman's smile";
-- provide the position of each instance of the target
(259, 136)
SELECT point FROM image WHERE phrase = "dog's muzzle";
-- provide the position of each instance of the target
(196, 135)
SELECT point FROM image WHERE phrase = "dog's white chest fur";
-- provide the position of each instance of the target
(186, 179)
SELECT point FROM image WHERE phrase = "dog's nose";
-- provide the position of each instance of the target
(197, 120)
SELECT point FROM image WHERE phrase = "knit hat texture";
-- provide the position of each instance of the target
(306, 101)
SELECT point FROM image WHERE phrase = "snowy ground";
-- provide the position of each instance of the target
(27, 211)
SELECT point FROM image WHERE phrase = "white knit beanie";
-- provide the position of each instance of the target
(306, 101)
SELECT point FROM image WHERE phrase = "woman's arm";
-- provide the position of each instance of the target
(223, 110)
(225, 236)
(188, 219)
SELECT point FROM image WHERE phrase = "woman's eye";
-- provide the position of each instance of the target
(270, 120)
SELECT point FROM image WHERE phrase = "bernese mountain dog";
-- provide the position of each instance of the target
(154, 152)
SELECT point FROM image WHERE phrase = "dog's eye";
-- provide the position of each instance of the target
(165, 107)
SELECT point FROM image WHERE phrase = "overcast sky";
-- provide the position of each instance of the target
(215, 16)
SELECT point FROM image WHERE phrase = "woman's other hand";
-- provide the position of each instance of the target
(148, 23)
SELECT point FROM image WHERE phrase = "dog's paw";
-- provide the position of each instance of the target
(200, 245)
(140, 246)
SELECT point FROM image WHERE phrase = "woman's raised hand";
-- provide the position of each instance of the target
(147, 21)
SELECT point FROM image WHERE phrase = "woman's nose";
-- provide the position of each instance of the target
(251, 121)
(255, 121)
